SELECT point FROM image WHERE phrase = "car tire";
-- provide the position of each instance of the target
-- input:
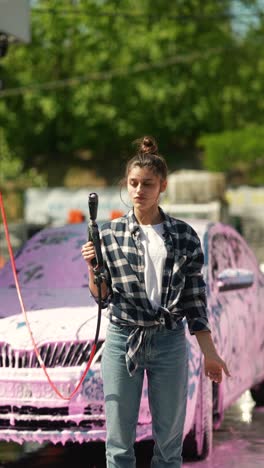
(197, 444)
(257, 393)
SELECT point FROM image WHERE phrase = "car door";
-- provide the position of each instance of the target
(232, 311)
(249, 314)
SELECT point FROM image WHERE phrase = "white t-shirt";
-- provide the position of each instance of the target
(155, 254)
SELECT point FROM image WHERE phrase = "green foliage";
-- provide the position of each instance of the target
(238, 150)
(93, 79)
(11, 168)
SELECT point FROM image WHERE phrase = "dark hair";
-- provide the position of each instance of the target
(147, 156)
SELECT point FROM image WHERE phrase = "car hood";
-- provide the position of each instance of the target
(53, 316)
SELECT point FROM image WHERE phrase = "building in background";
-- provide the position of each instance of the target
(196, 194)
(246, 204)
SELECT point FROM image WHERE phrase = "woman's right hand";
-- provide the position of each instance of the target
(88, 252)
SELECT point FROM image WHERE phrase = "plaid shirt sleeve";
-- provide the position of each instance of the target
(193, 297)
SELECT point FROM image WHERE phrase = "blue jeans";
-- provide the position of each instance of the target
(164, 357)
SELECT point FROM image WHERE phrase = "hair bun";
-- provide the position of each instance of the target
(148, 145)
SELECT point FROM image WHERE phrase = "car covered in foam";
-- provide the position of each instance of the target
(47, 348)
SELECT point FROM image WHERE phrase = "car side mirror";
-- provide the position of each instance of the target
(234, 278)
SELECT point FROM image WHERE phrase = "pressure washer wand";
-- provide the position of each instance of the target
(93, 235)
(97, 262)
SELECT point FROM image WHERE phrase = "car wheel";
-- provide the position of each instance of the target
(257, 393)
(197, 444)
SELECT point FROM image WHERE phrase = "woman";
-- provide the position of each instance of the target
(153, 280)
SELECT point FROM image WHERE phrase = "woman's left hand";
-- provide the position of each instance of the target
(213, 367)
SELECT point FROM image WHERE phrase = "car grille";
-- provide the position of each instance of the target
(64, 354)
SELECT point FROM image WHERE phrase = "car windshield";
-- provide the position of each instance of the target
(51, 272)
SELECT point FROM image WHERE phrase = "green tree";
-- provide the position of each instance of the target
(238, 153)
(99, 74)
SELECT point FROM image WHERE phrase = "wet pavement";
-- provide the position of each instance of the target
(239, 443)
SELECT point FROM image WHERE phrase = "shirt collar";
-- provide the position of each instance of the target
(133, 224)
(167, 224)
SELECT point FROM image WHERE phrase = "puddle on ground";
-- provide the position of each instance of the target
(239, 443)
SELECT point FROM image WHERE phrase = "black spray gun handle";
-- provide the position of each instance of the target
(93, 233)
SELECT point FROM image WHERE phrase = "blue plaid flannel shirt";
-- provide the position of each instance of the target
(183, 286)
